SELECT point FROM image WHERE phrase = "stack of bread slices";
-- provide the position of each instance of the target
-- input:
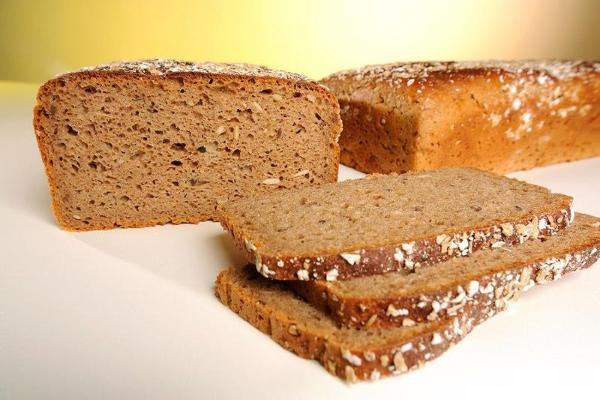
(377, 276)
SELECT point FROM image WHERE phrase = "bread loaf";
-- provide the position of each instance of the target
(429, 294)
(159, 141)
(496, 116)
(366, 354)
(389, 222)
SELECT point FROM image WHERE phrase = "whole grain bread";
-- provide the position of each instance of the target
(429, 294)
(160, 141)
(498, 116)
(359, 354)
(389, 223)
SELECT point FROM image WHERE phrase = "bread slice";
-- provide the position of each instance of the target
(161, 141)
(429, 294)
(388, 223)
(497, 116)
(369, 353)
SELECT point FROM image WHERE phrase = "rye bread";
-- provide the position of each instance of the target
(429, 294)
(498, 116)
(388, 223)
(349, 353)
(161, 141)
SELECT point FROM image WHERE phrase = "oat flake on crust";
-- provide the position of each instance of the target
(167, 66)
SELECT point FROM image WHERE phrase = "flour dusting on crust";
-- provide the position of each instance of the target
(403, 73)
(167, 67)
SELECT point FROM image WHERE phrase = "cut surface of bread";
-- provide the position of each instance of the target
(497, 116)
(160, 141)
(386, 223)
(429, 294)
(353, 354)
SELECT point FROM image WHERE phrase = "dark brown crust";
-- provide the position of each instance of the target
(358, 361)
(426, 251)
(42, 138)
(291, 335)
(444, 302)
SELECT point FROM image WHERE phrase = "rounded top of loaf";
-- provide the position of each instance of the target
(163, 67)
(408, 72)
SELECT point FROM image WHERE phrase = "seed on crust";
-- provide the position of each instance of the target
(351, 258)
(432, 316)
(331, 275)
(369, 356)
(408, 247)
(399, 255)
(293, 330)
(472, 288)
(543, 276)
(521, 229)
(406, 347)
(441, 238)
(436, 339)
(384, 360)
(303, 275)
(392, 311)
(371, 320)
(525, 277)
(375, 375)
(507, 229)
(399, 362)
(349, 373)
(249, 246)
(351, 358)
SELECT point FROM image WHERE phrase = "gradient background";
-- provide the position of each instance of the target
(39, 39)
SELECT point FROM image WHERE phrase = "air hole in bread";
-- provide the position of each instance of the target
(71, 131)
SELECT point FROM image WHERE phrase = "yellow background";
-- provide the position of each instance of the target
(39, 39)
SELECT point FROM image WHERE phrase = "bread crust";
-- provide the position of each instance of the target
(496, 116)
(366, 261)
(353, 360)
(387, 309)
(157, 70)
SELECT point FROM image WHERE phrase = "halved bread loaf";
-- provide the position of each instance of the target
(429, 294)
(371, 353)
(160, 141)
(389, 223)
(497, 116)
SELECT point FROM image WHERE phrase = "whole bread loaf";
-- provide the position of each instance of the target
(496, 116)
(429, 294)
(160, 141)
(389, 222)
(366, 354)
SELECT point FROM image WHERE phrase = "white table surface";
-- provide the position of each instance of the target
(131, 314)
